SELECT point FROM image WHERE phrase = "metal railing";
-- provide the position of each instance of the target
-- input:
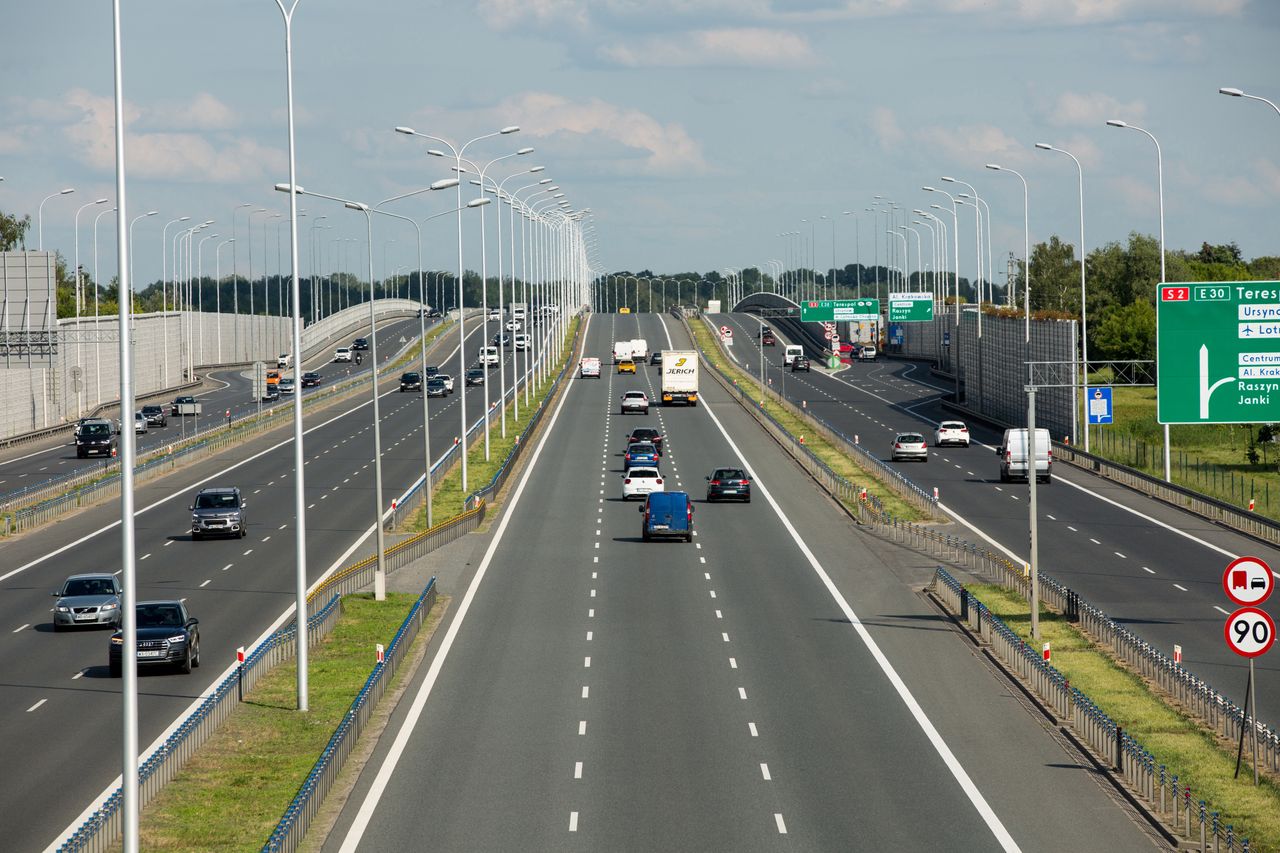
(101, 830)
(297, 818)
(1165, 795)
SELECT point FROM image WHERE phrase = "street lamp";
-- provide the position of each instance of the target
(164, 306)
(955, 243)
(120, 295)
(977, 236)
(1235, 93)
(1026, 246)
(457, 156)
(1160, 182)
(40, 215)
(217, 285)
(1084, 313)
(97, 366)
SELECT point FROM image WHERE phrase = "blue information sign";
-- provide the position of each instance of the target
(1098, 406)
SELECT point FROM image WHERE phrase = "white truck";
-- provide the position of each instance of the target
(622, 350)
(639, 350)
(679, 377)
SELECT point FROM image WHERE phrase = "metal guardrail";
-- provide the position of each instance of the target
(1164, 793)
(834, 483)
(100, 831)
(292, 828)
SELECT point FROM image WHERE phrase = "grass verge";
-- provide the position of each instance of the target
(1177, 741)
(231, 794)
(448, 498)
(834, 456)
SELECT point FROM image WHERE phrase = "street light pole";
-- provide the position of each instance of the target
(217, 286)
(1160, 182)
(1026, 245)
(40, 215)
(1237, 93)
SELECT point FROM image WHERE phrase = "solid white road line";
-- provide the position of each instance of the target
(370, 803)
(961, 776)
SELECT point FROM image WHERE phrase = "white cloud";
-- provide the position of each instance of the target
(1139, 196)
(191, 157)
(977, 144)
(885, 126)
(741, 47)
(204, 112)
(1093, 109)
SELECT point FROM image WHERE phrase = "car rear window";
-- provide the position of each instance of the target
(911, 438)
(729, 474)
(644, 473)
(643, 447)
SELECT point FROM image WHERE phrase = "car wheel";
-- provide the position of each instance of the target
(688, 537)
(243, 531)
(185, 666)
(748, 499)
(195, 655)
(114, 668)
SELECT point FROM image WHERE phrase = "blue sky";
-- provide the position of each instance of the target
(695, 130)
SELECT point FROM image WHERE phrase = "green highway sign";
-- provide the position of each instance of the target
(1218, 352)
(829, 310)
(910, 307)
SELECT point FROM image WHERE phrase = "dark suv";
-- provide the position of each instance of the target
(155, 415)
(360, 344)
(167, 634)
(218, 512)
(96, 437)
(411, 381)
(800, 362)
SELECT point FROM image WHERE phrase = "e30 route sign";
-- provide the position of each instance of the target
(1218, 352)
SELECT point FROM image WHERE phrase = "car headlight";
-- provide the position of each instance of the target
(177, 639)
(109, 606)
(62, 608)
(117, 641)
(195, 517)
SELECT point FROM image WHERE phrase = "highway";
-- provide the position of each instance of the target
(25, 466)
(776, 684)
(1151, 567)
(59, 709)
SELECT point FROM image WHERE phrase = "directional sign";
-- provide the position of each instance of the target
(1218, 352)
(818, 310)
(1250, 632)
(1248, 581)
(1099, 406)
(910, 307)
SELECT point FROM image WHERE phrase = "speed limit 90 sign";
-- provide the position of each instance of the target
(1250, 632)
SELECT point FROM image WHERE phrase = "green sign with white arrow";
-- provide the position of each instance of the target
(829, 310)
(1218, 352)
(910, 307)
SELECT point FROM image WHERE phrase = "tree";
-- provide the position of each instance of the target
(13, 231)
(1124, 332)
(1228, 253)
(1055, 276)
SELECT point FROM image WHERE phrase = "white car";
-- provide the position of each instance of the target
(513, 325)
(139, 422)
(635, 401)
(909, 445)
(343, 354)
(638, 482)
(522, 341)
(867, 353)
(951, 432)
(495, 314)
(284, 361)
(448, 382)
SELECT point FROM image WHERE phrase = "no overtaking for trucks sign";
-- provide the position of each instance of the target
(1218, 352)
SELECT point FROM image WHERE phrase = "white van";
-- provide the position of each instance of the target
(489, 356)
(791, 352)
(639, 350)
(284, 361)
(1013, 455)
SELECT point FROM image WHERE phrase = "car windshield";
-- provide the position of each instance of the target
(728, 474)
(218, 501)
(311, 376)
(435, 383)
(159, 616)
(95, 429)
(151, 410)
(89, 586)
(412, 377)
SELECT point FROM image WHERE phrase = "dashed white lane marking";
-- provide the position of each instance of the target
(1179, 586)
(588, 636)
(733, 663)
(247, 553)
(713, 592)
(577, 770)
(227, 566)
(143, 557)
(282, 527)
(37, 705)
(266, 538)
(1072, 529)
(1121, 556)
(573, 821)
(1220, 610)
(1148, 571)
(586, 662)
(782, 827)
(79, 674)
(707, 575)
(764, 771)
(591, 614)
(751, 727)
(167, 544)
(724, 636)
(1094, 541)
(22, 628)
(742, 693)
(720, 615)
(582, 727)
(593, 593)
(585, 691)
(206, 583)
(1050, 517)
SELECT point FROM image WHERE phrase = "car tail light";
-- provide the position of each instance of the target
(897, 446)
(658, 481)
(964, 429)
(715, 482)
(627, 481)
(746, 482)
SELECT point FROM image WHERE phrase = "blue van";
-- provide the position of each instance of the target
(667, 515)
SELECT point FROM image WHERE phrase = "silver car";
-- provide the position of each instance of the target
(635, 401)
(910, 445)
(88, 599)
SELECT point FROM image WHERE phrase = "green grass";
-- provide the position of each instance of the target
(834, 456)
(233, 792)
(1177, 741)
(1207, 458)
(448, 498)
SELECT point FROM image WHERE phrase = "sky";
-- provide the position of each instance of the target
(696, 131)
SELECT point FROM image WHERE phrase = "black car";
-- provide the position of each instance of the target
(167, 634)
(411, 381)
(155, 415)
(179, 402)
(648, 434)
(800, 362)
(434, 312)
(436, 388)
(726, 483)
(310, 380)
(656, 357)
(360, 343)
(272, 392)
(503, 340)
(96, 437)
(474, 376)
(433, 371)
